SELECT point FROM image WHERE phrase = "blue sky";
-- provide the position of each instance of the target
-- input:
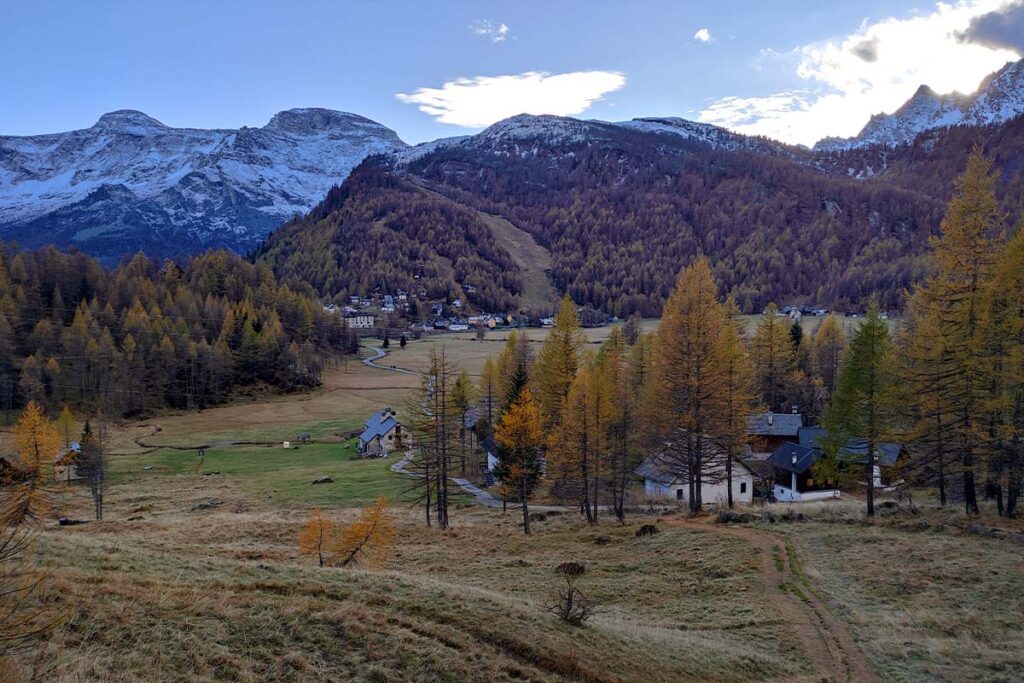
(793, 70)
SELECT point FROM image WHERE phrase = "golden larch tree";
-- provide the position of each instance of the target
(367, 540)
(316, 536)
(520, 436)
(558, 361)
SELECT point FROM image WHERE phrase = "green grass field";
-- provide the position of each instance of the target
(275, 474)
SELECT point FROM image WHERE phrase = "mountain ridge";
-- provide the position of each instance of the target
(998, 99)
(182, 189)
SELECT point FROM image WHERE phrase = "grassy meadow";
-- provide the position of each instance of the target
(195, 572)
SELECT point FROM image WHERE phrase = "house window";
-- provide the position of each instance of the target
(679, 494)
(743, 487)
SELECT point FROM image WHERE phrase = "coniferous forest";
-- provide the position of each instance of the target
(621, 211)
(147, 336)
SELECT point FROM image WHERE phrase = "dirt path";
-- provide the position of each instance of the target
(371, 361)
(825, 638)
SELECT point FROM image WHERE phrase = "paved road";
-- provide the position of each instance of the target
(371, 362)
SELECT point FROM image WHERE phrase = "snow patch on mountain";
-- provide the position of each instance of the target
(218, 186)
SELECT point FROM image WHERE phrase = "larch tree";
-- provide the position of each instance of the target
(513, 367)
(66, 425)
(622, 378)
(26, 500)
(435, 423)
(316, 536)
(1004, 321)
(520, 436)
(737, 397)
(827, 351)
(367, 540)
(489, 389)
(862, 405)
(927, 409)
(772, 353)
(463, 398)
(92, 466)
(578, 442)
(558, 361)
(952, 303)
(690, 368)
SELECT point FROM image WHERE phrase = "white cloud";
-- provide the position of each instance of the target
(496, 32)
(482, 100)
(703, 35)
(875, 69)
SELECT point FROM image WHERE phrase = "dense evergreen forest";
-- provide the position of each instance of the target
(146, 336)
(622, 211)
(380, 230)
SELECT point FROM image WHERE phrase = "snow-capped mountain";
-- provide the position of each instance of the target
(999, 98)
(129, 182)
(528, 134)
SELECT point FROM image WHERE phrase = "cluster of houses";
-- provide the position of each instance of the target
(777, 465)
(798, 312)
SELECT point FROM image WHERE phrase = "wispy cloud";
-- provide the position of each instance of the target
(704, 36)
(496, 32)
(874, 69)
(482, 100)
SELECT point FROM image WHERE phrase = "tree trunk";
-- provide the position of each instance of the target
(871, 477)
(970, 495)
(526, 509)
(728, 478)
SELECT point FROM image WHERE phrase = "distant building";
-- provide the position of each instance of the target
(360, 320)
(793, 464)
(662, 481)
(65, 465)
(768, 431)
(382, 434)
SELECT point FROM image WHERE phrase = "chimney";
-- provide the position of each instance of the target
(771, 419)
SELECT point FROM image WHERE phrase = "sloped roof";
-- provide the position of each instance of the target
(378, 428)
(792, 457)
(774, 424)
(810, 437)
(378, 417)
(657, 467)
(855, 449)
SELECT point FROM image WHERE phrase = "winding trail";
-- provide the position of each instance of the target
(371, 362)
(826, 640)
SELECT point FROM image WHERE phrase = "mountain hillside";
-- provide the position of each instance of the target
(621, 208)
(130, 183)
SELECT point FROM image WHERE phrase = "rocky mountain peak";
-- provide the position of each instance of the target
(315, 120)
(127, 118)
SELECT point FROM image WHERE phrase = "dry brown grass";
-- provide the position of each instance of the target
(223, 594)
(930, 605)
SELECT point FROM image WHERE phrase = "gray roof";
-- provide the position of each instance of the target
(792, 457)
(379, 424)
(774, 424)
(855, 449)
(657, 467)
(379, 429)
